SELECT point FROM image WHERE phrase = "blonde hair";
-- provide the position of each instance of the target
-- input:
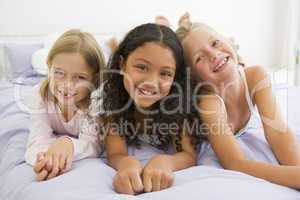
(76, 41)
(188, 26)
(183, 31)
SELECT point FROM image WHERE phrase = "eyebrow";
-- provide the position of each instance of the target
(58, 68)
(144, 60)
(212, 37)
(168, 67)
(80, 73)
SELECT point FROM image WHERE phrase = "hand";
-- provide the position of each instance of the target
(128, 178)
(39, 167)
(158, 174)
(59, 157)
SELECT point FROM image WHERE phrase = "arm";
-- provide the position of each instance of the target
(41, 135)
(277, 133)
(65, 150)
(128, 177)
(185, 156)
(158, 173)
(181, 159)
(213, 114)
(117, 151)
(88, 144)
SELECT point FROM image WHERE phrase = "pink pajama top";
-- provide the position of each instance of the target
(48, 124)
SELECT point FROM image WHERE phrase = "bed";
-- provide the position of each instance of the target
(91, 179)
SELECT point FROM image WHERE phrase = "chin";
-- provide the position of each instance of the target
(144, 105)
(68, 104)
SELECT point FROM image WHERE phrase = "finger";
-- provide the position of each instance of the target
(62, 163)
(156, 182)
(117, 183)
(49, 162)
(127, 188)
(55, 167)
(42, 175)
(40, 156)
(136, 183)
(164, 183)
(39, 166)
(147, 182)
(68, 163)
(170, 180)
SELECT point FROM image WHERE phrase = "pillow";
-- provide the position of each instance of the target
(39, 61)
(50, 39)
(39, 58)
(19, 57)
(4, 64)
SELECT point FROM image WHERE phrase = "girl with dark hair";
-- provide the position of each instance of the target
(144, 102)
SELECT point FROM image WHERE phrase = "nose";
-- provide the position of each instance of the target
(68, 84)
(149, 86)
(151, 82)
(212, 54)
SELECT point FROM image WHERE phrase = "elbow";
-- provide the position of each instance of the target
(232, 164)
(192, 157)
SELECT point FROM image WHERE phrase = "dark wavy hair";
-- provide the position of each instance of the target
(115, 95)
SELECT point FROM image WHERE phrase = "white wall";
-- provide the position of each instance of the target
(255, 24)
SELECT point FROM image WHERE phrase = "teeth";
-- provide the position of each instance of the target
(66, 95)
(224, 61)
(146, 92)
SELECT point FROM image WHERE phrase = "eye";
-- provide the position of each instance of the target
(168, 74)
(81, 77)
(198, 59)
(216, 43)
(59, 74)
(141, 67)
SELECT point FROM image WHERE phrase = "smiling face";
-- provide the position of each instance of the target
(149, 72)
(70, 78)
(210, 55)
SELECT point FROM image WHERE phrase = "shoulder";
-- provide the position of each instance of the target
(34, 98)
(210, 102)
(257, 76)
(211, 107)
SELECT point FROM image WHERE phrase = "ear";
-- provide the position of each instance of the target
(122, 65)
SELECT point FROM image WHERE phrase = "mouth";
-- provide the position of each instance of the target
(221, 64)
(147, 92)
(67, 95)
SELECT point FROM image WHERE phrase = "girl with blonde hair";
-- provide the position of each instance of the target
(61, 105)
